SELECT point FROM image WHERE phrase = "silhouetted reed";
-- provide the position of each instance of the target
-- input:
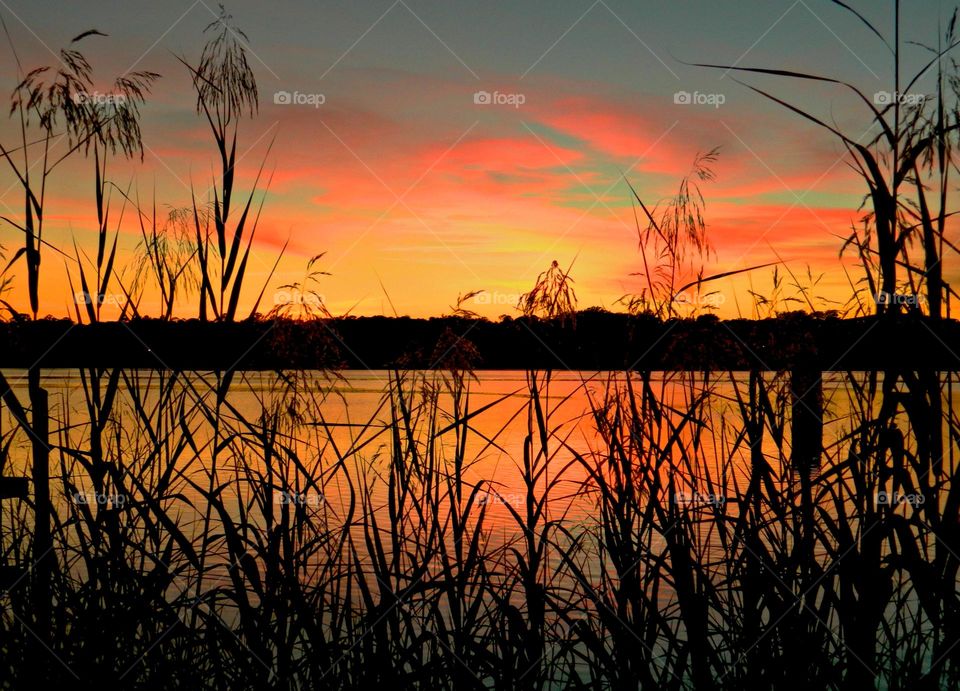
(682, 530)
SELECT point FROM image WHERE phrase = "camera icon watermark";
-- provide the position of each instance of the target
(699, 499)
(887, 98)
(297, 98)
(98, 99)
(485, 98)
(297, 297)
(685, 98)
(708, 300)
(116, 299)
(496, 298)
(515, 500)
(311, 499)
(98, 499)
(884, 498)
(905, 300)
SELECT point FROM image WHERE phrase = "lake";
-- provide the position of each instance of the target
(527, 527)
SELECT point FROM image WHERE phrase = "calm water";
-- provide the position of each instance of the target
(352, 419)
(350, 483)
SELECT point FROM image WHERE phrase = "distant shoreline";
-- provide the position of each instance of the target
(599, 341)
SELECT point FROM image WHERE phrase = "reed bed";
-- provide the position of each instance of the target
(660, 531)
(224, 531)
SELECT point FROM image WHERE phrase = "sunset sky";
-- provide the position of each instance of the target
(418, 193)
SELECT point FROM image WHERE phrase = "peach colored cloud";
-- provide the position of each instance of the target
(490, 197)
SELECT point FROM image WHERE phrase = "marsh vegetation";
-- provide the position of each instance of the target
(448, 527)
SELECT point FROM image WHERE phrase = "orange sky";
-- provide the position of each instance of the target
(418, 194)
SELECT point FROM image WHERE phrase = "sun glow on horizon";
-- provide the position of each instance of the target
(421, 182)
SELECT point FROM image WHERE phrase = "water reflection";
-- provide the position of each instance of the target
(504, 529)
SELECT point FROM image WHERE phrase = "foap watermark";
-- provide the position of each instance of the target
(98, 499)
(313, 499)
(515, 499)
(700, 300)
(298, 98)
(83, 298)
(496, 298)
(497, 98)
(99, 99)
(886, 98)
(895, 498)
(699, 499)
(297, 297)
(903, 299)
(698, 98)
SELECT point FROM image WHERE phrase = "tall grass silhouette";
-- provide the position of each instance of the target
(658, 530)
